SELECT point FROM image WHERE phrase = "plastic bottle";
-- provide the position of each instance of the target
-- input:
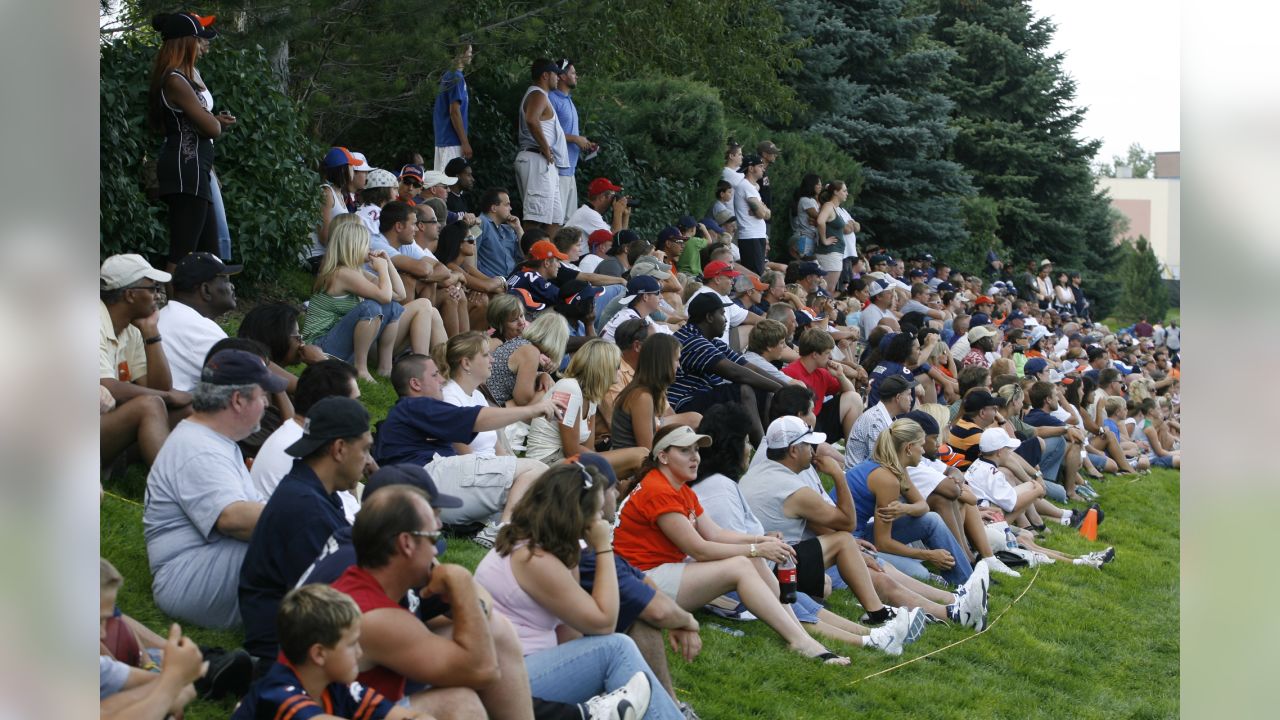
(1009, 540)
(727, 631)
(787, 580)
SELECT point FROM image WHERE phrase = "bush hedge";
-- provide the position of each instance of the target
(265, 162)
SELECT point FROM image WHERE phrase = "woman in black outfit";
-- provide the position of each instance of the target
(181, 107)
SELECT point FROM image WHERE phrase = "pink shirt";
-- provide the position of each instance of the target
(534, 625)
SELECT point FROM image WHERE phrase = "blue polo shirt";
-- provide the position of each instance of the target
(293, 528)
(419, 428)
(886, 368)
(453, 88)
(1040, 418)
(497, 248)
(567, 112)
(279, 694)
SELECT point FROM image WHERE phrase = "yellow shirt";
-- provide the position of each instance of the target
(120, 357)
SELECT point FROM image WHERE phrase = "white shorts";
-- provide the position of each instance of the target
(444, 155)
(667, 577)
(539, 185)
(830, 262)
(569, 200)
(482, 483)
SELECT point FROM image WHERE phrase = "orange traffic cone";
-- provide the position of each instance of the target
(1089, 528)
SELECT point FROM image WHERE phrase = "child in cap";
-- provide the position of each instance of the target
(319, 631)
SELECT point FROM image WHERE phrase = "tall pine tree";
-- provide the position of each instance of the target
(871, 76)
(1017, 132)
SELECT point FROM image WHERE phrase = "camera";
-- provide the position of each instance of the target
(632, 202)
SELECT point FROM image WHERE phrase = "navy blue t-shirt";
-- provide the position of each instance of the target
(886, 368)
(453, 88)
(419, 428)
(279, 694)
(1040, 418)
(293, 528)
(633, 594)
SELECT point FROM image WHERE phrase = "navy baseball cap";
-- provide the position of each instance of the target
(409, 474)
(331, 418)
(1034, 366)
(979, 319)
(237, 367)
(923, 419)
(806, 269)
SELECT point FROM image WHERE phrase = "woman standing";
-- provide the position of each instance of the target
(338, 171)
(181, 107)
(662, 523)
(830, 227)
(804, 234)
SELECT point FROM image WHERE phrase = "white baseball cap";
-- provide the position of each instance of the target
(789, 430)
(379, 178)
(682, 436)
(362, 164)
(120, 271)
(431, 178)
(995, 438)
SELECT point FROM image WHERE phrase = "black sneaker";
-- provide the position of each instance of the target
(230, 673)
(1101, 515)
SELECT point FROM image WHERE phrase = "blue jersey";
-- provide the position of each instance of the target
(279, 695)
(453, 88)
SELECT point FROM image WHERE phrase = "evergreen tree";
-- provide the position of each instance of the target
(1017, 133)
(871, 76)
(1142, 286)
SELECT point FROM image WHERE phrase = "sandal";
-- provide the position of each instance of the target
(830, 658)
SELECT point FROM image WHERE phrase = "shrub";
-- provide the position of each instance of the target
(264, 162)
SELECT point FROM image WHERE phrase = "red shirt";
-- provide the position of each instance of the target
(369, 595)
(820, 381)
(638, 538)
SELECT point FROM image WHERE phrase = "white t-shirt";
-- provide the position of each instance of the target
(188, 335)
(735, 314)
(755, 360)
(273, 463)
(749, 226)
(589, 263)
(927, 475)
(800, 223)
(988, 483)
(731, 176)
(588, 221)
(626, 314)
(416, 251)
(485, 443)
(870, 318)
(850, 237)
(544, 442)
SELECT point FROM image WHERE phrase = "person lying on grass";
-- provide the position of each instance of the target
(319, 631)
(719, 490)
(662, 523)
(572, 651)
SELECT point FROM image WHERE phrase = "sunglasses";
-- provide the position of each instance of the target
(432, 536)
(412, 183)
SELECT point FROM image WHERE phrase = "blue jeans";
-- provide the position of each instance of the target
(220, 217)
(1055, 451)
(935, 534)
(340, 340)
(581, 669)
(1055, 492)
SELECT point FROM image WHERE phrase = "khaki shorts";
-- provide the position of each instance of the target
(539, 184)
(667, 577)
(481, 482)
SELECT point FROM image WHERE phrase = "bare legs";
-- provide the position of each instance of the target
(851, 407)
(362, 341)
(143, 419)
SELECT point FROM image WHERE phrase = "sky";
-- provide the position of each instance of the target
(1125, 57)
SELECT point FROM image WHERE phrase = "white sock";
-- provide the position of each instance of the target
(1066, 518)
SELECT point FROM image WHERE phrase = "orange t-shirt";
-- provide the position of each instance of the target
(638, 538)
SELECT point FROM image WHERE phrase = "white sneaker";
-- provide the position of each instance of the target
(488, 535)
(1041, 559)
(995, 564)
(628, 702)
(972, 609)
(889, 637)
(915, 623)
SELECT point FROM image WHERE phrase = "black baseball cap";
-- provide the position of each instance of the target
(200, 267)
(599, 463)
(237, 367)
(172, 26)
(409, 474)
(455, 166)
(923, 419)
(806, 269)
(979, 399)
(330, 419)
(893, 385)
(704, 305)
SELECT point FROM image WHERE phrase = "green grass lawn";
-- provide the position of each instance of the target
(1078, 643)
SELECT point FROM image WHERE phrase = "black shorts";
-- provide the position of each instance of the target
(829, 420)
(811, 572)
(717, 395)
(1030, 451)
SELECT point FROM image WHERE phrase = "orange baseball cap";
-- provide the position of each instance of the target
(544, 250)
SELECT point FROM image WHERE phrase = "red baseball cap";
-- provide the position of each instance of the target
(545, 249)
(984, 300)
(600, 237)
(600, 185)
(717, 269)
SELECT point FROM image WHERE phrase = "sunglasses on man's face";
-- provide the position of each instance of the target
(412, 183)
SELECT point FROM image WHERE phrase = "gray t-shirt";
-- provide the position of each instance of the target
(766, 487)
(915, 306)
(196, 569)
(869, 318)
(722, 500)
(755, 360)
(112, 675)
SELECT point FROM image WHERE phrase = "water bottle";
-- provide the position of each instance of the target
(1010, 541)
(727, 631)
(787, 581)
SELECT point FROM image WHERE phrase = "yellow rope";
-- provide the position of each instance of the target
(135, 503)
(961, 641)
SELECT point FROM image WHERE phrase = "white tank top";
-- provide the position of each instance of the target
(551, 131)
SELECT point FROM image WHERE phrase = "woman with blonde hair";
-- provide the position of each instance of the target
(351, 308)
(522, 366)
(590, 373)
(504, 315)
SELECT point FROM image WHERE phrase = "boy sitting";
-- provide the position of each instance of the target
(319, 631)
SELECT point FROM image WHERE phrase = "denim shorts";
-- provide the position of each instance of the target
(339, 342)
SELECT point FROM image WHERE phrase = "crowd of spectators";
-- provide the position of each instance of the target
(637, 429)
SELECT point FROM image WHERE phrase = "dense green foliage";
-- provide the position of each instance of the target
(1141, 279)
(871, 77)
(263, 162)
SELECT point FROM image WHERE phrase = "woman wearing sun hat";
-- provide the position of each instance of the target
(180, 107)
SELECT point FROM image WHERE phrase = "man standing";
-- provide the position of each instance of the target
(498, 247)
(303, 512)
(768, 153)
(567, 113)
(201, 506)
(543, 149)
(752, 214)
(450, 116)
(138, 399)
(202, 292)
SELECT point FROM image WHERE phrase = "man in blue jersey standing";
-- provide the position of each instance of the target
(449, 116)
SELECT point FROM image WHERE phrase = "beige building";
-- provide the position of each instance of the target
(1153, 208)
